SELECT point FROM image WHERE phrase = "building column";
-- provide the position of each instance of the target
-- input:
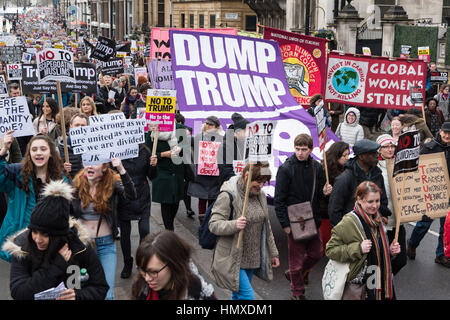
(395, 15)
(141, 14)
(347, 26)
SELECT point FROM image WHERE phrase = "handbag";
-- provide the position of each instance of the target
(334, 281)
(301, 217)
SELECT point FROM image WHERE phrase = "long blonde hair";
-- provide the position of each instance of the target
(91, 102)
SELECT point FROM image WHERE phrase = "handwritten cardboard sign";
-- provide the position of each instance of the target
(207, 158)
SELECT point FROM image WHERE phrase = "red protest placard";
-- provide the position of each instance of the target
(375, 82)
(207, 158)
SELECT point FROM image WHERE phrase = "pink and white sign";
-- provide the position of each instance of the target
(207, 158)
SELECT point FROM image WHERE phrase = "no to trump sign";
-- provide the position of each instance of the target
(373, 82)
(161, 108)
(55, 65)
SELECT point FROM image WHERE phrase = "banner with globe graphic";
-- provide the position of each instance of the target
(373, 82)
(304, 60)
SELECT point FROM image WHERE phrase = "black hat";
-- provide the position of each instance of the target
(446, 126)
(365, 146)
(212, 120)
(51, 214)
(239, 121)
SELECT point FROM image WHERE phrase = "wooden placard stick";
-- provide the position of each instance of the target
(244, 209)
(76, 100)
(325, 166)
(63, 123)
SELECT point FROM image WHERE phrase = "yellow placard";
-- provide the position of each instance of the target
(3, 44)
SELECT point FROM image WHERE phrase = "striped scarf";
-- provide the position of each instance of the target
(383, 252)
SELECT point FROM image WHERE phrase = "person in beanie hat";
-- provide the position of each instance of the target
(53, 242)
(233, 147)
(363, 167)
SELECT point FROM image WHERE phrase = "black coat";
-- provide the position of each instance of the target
(75, 159)
(24, 283)
(369, 116)
(231, 149)
(342, 199)
(294, 185)
(107, 107)
(121, 191)
(139, 170)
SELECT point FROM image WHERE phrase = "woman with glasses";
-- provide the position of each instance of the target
(166, 271)
(387, 151)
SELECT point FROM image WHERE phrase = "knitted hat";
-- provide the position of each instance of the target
(385, 139)
(365, 146)
(445, 126)
(212, 120)
(239, 121)
(51, 213)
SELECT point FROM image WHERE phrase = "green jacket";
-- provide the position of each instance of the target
(227, 258)
(168, 186)
(345, 244)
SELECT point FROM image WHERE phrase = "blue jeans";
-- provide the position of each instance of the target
(421, 229)
(245, 286)
(106, 251)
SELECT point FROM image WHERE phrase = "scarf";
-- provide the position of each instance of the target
(152, 295)
(383, 253)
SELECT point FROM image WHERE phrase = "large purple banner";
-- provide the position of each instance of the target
(218, 75)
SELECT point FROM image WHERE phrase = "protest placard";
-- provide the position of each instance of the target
(321, 123)
(55, 65)
(416, 94)
(3, 87)
(423, 53)
(425, 190)
(112, 67)
(14, 71)
(407, 152)
(108, 136)
(207, 158)
(26, 57)
(258, 140)
(238, 167)
(164, 76)
(439, 77)
(11, 54)
(374, 82)
(161, 108)
(140, 72)
(15, 115)
(104, 50)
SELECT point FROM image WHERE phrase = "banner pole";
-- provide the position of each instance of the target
(63, 123)
(325, 165)
(244, 209)
(76, 100)
(423, 110)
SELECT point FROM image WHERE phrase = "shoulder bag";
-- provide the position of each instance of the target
(301, 217)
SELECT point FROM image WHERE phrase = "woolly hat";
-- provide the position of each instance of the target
(365, 146)
(385, 139)
(239, 121)
(51, 213)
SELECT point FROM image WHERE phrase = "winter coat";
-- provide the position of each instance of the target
(350, 133)
(20, 204)
(24, 283)
(342, 198)
(338, 109)
(345, 244)
(294, 183)
(168, 186)
(443, 105)
(227, 258)
(204, 187)
(40, 124)
(409, 120)
(75, 159)
(382, 164)
(123, 190)
(437, 114)
(139, 170)
(198, 288)
(107, 107)
(369, 116)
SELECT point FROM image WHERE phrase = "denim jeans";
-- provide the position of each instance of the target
(421, 229)
(106, 251)
(245, 286)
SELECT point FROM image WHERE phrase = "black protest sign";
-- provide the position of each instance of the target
(112, 67)
(104, 50)
(407, 153)
(11, 54)
(439, 77)
(86, 80)
(416, 94)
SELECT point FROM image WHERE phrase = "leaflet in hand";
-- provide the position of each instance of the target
(50, 294)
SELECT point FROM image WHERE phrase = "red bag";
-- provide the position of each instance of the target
(447, 236)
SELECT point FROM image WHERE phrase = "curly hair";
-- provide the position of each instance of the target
(103, 193)
(55, 166)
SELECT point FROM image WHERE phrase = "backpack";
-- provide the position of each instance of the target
(206, 238)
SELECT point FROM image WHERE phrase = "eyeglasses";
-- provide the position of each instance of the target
(388, 147)
(150, 273)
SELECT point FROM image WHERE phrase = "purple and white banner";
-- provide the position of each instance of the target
(217, 74)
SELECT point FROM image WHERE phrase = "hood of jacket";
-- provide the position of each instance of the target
(14, 245)
(357, 114)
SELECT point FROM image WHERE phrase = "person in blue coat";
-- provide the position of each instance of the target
(23, 182)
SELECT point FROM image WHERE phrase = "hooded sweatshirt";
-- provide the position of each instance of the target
(350, 133)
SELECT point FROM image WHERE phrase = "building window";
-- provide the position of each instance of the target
(183, 20)
(212, 20)
(191, 21)
(145, 12)
(161, 13)
(250, 23)
(201, 21)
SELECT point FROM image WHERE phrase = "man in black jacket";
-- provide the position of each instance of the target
(439, 144)
(361, 168)
(294, 184)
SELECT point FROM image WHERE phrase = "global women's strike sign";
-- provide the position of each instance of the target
(373, 82)
(243, 75)
(304, 59)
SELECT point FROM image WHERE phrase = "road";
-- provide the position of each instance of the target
(420, 279)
